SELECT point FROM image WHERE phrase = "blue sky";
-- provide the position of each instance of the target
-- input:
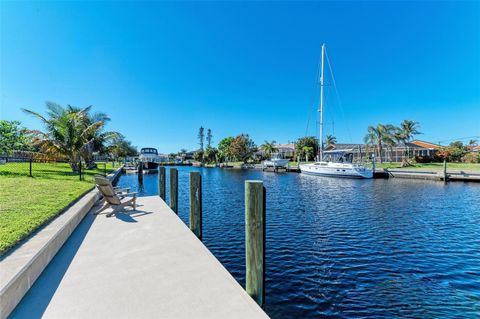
(163, 69)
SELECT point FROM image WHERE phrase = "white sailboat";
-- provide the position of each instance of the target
(333, 164)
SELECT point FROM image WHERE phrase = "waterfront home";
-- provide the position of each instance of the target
(417, 148)
(474, 148)
(284, 150)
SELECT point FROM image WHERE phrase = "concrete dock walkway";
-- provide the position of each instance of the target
(137, 264)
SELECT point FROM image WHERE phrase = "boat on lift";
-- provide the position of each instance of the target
(333, 163)
(275, 161)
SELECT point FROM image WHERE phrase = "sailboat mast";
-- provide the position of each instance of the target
(321, 103)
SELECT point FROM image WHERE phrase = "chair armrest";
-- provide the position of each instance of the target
(134, 194)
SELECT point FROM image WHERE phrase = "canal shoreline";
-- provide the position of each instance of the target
(454, 175)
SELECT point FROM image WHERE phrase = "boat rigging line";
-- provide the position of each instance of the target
(337, 94)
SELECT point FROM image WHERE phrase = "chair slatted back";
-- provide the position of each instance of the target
(105, 187)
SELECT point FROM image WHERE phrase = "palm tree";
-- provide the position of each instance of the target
(97, 139)
(409, 129)
(472, 143)
(120, 147)
(380, 136)
(67, 131)
(331, 140)
(404, 134)
(268, 148)
(308, 152)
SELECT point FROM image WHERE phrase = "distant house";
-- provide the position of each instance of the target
(163, 158)
(425, 146)
(286, 150)
(474, 148)
(416, 148)
(396, 153)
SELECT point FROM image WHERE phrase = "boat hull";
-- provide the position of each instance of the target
(150, 165)
(336, 170)
(276, 163)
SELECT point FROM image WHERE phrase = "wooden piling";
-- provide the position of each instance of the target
(140, 172)
(255, 240)
(373, 163)
(445, 177)
(196, 204)
(174, 190)
(161, 182)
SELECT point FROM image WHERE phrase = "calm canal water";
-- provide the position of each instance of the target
(341, 248)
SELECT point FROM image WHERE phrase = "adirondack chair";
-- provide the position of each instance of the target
(117, 200)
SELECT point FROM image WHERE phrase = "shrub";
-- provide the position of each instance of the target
(471, 158)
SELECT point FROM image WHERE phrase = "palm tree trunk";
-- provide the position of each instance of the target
(74, 166)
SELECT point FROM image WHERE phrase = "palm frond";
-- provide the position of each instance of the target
(37, 115)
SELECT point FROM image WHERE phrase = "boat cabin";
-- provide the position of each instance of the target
(338, 156)
(149, 150)
(276, 156)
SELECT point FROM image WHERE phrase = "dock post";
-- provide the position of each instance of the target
(445, 177)
(255, 240)
(196, 204)
(373, 164)
(174, 190)
(140, 172)
(161, 182)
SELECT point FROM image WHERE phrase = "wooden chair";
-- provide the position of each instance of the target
(116, 200)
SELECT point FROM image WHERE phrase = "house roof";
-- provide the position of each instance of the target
(289, 146)
(417, 145)
(425, 144)
(338, 146)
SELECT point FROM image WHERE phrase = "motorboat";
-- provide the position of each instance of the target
(276, 160)
(149, 158)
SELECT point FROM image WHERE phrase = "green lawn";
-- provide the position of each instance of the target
(26, 203)
(433, 166)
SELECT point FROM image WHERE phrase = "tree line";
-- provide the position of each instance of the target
(459, 152)
(71, 133)
(380, 139)
(242, 148)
